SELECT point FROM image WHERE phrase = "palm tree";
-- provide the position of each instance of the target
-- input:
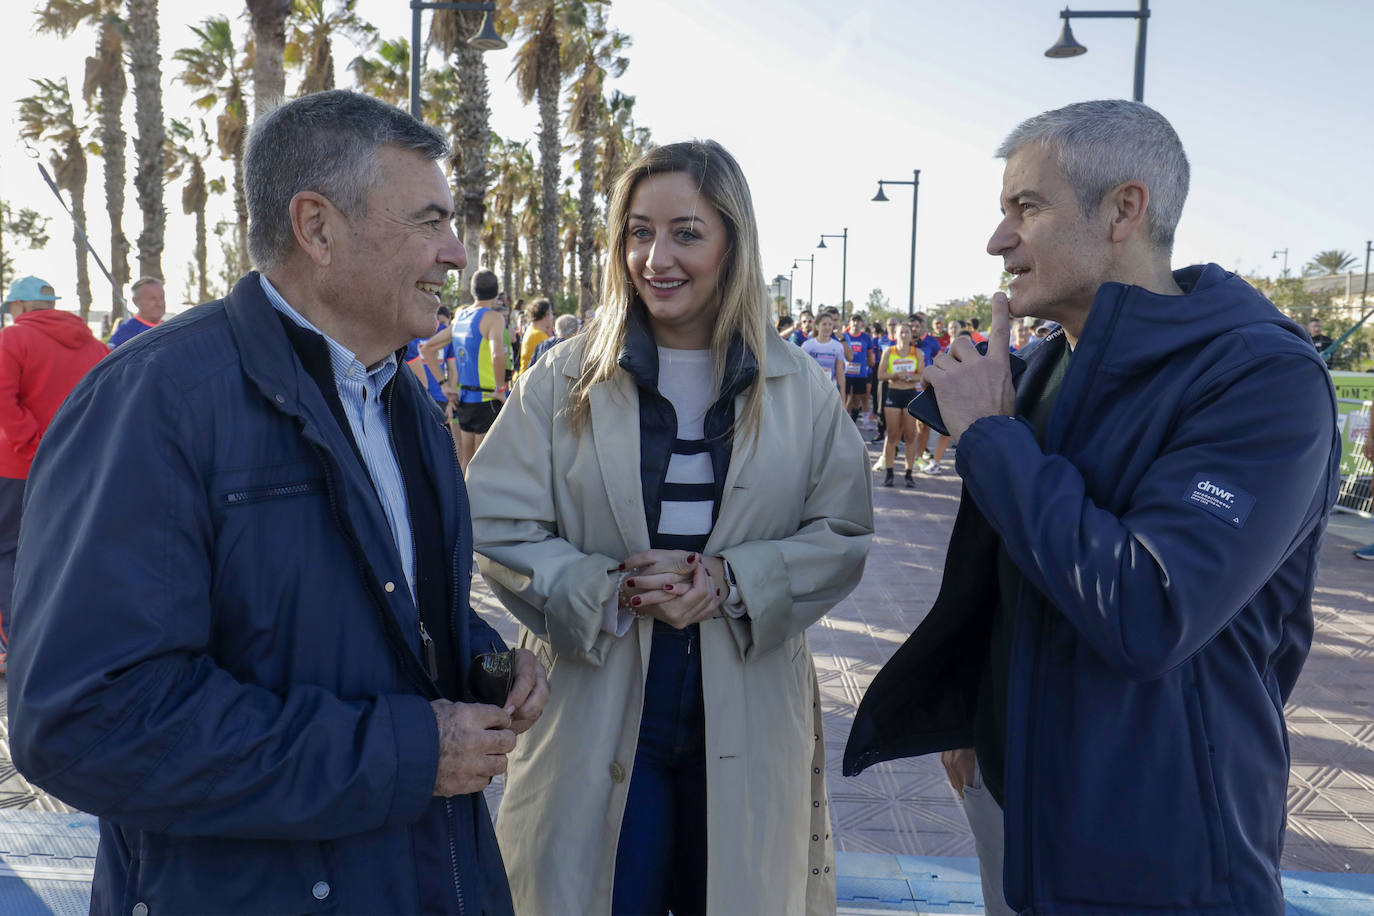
(269, 51)
(568, 222)
(539, 71)
(601, 50)
(105, 78)
(48, 117)
(311, 42)
(145, 63)
(385, 73)
(212, 69)
(187, 150)
(1330, 263)
(513, 169)
(470, 120)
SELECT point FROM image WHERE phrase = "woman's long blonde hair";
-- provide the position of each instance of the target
(740, 285)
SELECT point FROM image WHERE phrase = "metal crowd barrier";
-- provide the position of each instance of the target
(1356, 470)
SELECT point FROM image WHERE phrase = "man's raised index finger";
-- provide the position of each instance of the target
(999, 335)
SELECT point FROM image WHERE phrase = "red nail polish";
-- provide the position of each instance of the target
(622, 567)
(691, 558)
(630, 583)
(717, 593)
(635, 601)
(667, 588)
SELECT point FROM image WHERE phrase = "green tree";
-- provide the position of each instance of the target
(1330, 263)
(601, 51)
(544, 26)
(383, 71)
(23, 228)
(212, 69)
(188, 149)
(313, 25)
(469, 122)
(48, 117)
(514, 174)
(105, 79)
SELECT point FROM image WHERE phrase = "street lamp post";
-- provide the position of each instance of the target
(1068, 47)
(844, 268)
(811, 262)
(486, 38)
(1284, 252)
(915, 183)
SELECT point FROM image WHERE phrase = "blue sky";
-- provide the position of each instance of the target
(818, 100)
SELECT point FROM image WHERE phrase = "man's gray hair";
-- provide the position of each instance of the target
(565, 325)
(1100, 144)
(325, 142)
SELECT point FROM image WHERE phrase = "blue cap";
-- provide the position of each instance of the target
(31, 289)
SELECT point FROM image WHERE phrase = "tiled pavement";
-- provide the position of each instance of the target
(906, 807)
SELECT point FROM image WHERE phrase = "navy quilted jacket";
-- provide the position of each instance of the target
(217, 652)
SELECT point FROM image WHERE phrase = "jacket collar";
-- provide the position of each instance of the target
(639, 357)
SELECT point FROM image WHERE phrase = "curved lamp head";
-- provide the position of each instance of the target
(1067, 46)
(880, 196)
(487, 38)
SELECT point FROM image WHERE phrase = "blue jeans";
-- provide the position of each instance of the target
(660, 864)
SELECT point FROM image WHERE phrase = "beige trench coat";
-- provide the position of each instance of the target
(553, 516)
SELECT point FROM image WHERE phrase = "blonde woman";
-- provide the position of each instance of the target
(900, 366)
(669, 501)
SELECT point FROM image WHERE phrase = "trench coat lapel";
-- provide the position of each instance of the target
(742, 453)
(615, 422)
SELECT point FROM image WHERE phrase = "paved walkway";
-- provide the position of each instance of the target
(906, 808)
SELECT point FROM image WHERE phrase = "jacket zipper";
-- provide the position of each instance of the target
(453, 857)
(409, 665)
(242, 496)
(431, 656)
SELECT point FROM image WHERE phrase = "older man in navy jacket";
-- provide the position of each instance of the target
(244, 629)
(1109, 690)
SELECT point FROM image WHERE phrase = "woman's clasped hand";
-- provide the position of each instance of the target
(675, 586)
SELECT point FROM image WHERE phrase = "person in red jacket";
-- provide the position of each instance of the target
(42, 357)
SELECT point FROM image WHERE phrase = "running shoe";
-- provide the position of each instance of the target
(887, 478)
(880, 463)
(1366, 553)
(934, 467)
(910, 484)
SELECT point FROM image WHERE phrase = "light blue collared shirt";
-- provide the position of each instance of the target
(360, 391)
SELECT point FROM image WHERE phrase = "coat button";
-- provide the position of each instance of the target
(390, 587)
(281, 399)
(140, 909)
(320, 890)
(617, 773)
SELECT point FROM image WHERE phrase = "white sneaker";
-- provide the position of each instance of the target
(934, 467)
(881, 463)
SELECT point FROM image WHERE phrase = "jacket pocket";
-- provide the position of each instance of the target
(1211, 801)
(217, 875)
(274, 491)
(1124, 804)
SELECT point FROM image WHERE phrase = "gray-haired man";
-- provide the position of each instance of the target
(268, 701)
(1110, 699)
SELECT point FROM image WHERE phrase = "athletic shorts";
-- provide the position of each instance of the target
(856, 385)
(898, 397)
(476, 417)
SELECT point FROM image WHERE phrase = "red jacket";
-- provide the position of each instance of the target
(42, 357)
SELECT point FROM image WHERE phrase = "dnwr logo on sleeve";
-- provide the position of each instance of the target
(1227, 502)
